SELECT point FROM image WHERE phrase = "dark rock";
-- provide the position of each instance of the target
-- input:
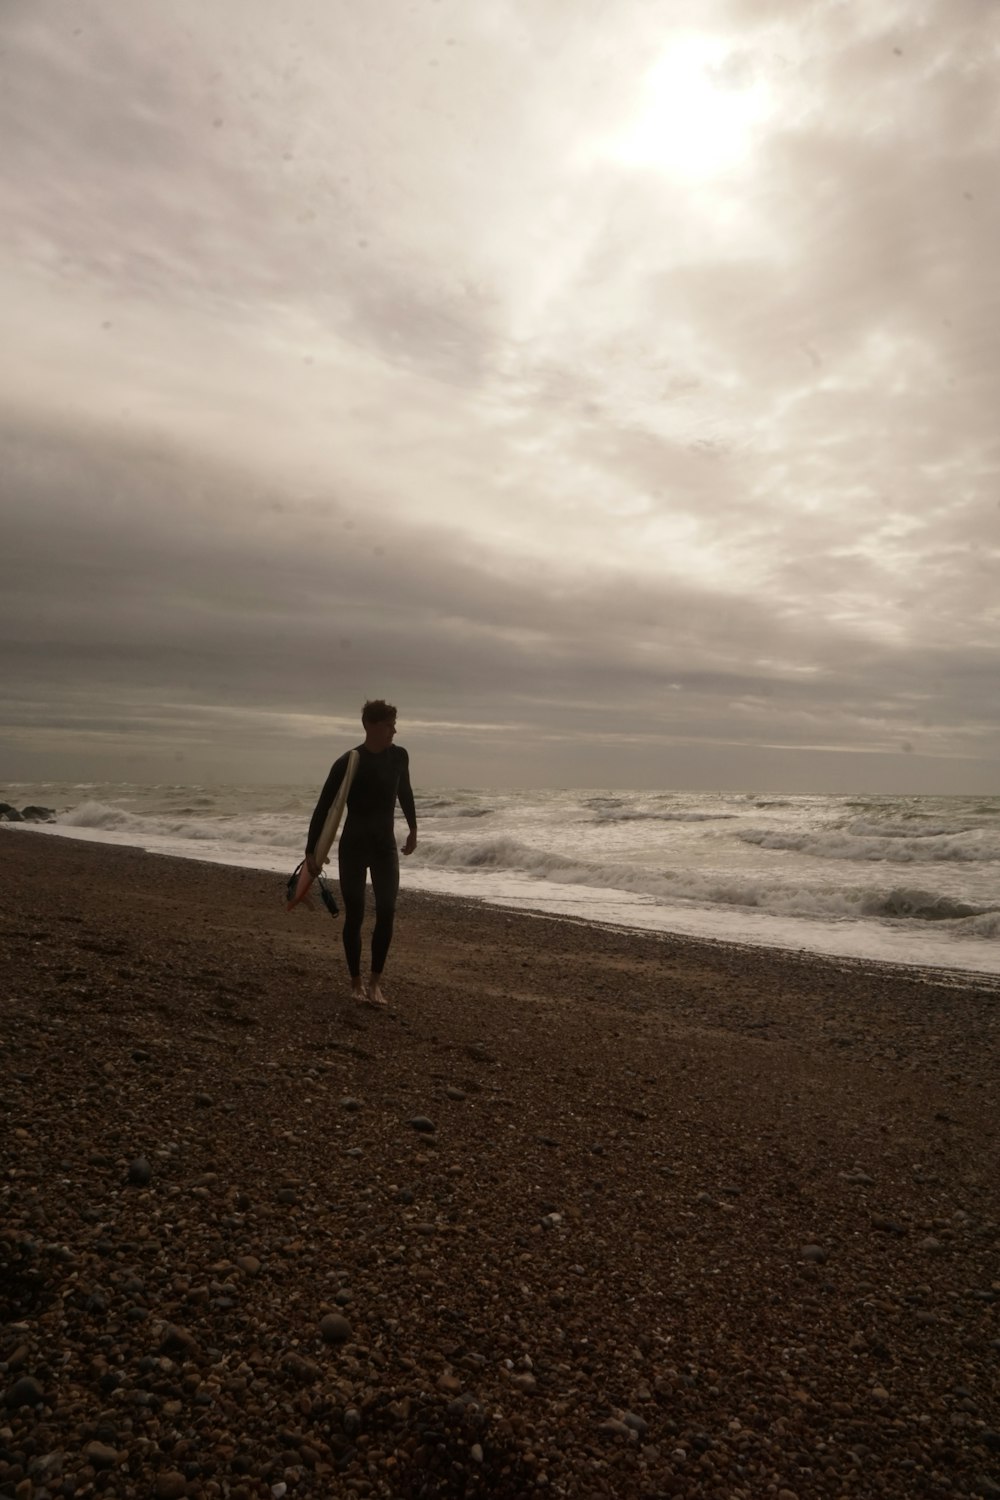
(24, 1392)
(479, 1053)
(304, 1370)
(139, 1172)
(33, 814)
(334, 1328)
(170, 1485)
(178, 1341)
(101, 1455)
(421, 1123)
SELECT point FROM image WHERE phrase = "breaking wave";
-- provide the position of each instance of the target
(275, 832)
(898, 846)
(662, 817)
(829, 902)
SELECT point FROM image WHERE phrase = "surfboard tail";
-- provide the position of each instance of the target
(301, 890)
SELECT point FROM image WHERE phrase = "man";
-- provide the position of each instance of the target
(368, 842)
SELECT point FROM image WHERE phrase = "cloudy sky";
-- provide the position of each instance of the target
(612, 384)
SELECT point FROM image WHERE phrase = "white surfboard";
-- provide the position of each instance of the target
(324, 843)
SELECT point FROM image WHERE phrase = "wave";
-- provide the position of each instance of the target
(456, 812)
(449, 807)
(663, 817)
(788, 900)
(877, 828)
(256, 829)
(926, 906)
(964, 847)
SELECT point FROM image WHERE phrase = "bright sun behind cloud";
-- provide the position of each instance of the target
(696, 115)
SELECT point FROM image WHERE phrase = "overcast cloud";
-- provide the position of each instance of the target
(611, 385)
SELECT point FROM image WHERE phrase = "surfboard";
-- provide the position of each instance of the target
(324, 843)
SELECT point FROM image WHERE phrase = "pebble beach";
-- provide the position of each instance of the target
(584, 1213)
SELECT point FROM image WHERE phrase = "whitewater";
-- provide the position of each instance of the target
(910, 880)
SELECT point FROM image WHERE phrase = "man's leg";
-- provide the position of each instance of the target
(351, 864)
(385, 884)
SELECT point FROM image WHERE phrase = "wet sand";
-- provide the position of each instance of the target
(689, 1220)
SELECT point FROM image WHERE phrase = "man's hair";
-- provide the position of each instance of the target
(376, 711)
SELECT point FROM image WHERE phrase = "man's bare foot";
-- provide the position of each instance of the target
(358, 991)
(375, 995)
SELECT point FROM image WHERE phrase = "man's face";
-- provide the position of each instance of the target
(381, 735)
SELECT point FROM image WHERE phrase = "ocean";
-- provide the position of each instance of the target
(910, 880)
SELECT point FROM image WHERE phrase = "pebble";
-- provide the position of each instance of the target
(101, 1456)
(421, 1123)
(24, 1392)
(178, 1341)
(139, 1172)
(170, 1485)
(815, 1253)
(334, 1328)
(351, 1105)
(887, 1226)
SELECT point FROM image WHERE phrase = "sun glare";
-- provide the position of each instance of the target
(697, 116)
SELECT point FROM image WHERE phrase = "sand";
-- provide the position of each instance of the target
(584, 1213)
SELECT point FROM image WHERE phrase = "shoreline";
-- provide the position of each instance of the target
(587, 1211)
(937, 973)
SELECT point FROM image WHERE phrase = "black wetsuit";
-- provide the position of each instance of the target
(368, 843)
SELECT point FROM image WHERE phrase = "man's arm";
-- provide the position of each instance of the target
(407, 803)
(330, 789)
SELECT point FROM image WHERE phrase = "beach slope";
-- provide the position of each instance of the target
(585, 1213)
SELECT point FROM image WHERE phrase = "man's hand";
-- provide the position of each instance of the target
(411, 842)
(312, 866)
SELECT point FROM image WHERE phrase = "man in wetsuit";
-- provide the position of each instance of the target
(367, 842)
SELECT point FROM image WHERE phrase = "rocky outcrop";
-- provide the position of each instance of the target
(30, 814)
